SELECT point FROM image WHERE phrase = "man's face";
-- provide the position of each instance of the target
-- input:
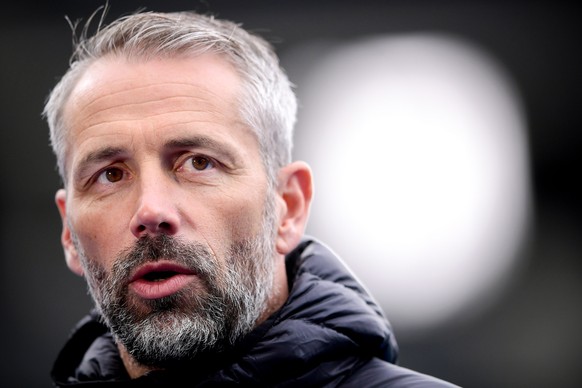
(167, 204)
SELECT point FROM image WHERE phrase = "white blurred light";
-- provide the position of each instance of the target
(419, 153)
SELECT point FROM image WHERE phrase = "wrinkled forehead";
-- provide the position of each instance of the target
(118, 88)
(110, 75)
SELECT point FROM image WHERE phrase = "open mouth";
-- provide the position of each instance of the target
(158, 276)
(160, 279)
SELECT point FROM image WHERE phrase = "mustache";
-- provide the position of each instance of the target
(150, 249)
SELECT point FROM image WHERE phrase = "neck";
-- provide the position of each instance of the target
(133, 368)
(279, 292)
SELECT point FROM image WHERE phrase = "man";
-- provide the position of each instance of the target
(182, 209)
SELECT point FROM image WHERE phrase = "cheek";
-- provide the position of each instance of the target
(234, 220)
(98, 233)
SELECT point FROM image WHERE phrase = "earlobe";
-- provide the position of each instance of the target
(71, 254)
(295, 191)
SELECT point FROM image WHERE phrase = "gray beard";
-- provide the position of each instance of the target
(166, 331)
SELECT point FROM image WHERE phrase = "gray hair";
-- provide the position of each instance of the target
(267, 103)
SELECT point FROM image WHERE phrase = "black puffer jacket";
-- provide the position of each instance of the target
(329, 333)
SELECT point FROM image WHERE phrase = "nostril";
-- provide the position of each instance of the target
(164, 225)
(154, 222)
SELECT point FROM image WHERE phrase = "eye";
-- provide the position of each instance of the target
(196, 166)
(201, 163)
(110, 175)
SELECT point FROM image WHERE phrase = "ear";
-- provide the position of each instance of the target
(295, 191)
(71, 254)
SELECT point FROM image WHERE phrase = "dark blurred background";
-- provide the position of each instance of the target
(530, 337)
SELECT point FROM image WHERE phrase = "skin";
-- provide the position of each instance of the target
(158, 147)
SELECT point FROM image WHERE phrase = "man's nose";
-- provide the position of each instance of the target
(156, 211)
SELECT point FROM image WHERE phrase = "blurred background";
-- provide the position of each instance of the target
(444, 138)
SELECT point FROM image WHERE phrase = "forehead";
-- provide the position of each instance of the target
(118, 97)
(113, 81)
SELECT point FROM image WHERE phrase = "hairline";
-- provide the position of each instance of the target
(266, 103)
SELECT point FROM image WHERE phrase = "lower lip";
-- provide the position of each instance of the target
(159, 289)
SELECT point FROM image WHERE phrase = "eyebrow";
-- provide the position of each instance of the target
(110, 152)
(224, 149)
(97, 156)
(102, 154)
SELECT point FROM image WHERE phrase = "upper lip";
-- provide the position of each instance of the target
(160, 266)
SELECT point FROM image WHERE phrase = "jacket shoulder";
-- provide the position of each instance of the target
(379, 373)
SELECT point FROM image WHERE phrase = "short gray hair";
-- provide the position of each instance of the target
(267, 104)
